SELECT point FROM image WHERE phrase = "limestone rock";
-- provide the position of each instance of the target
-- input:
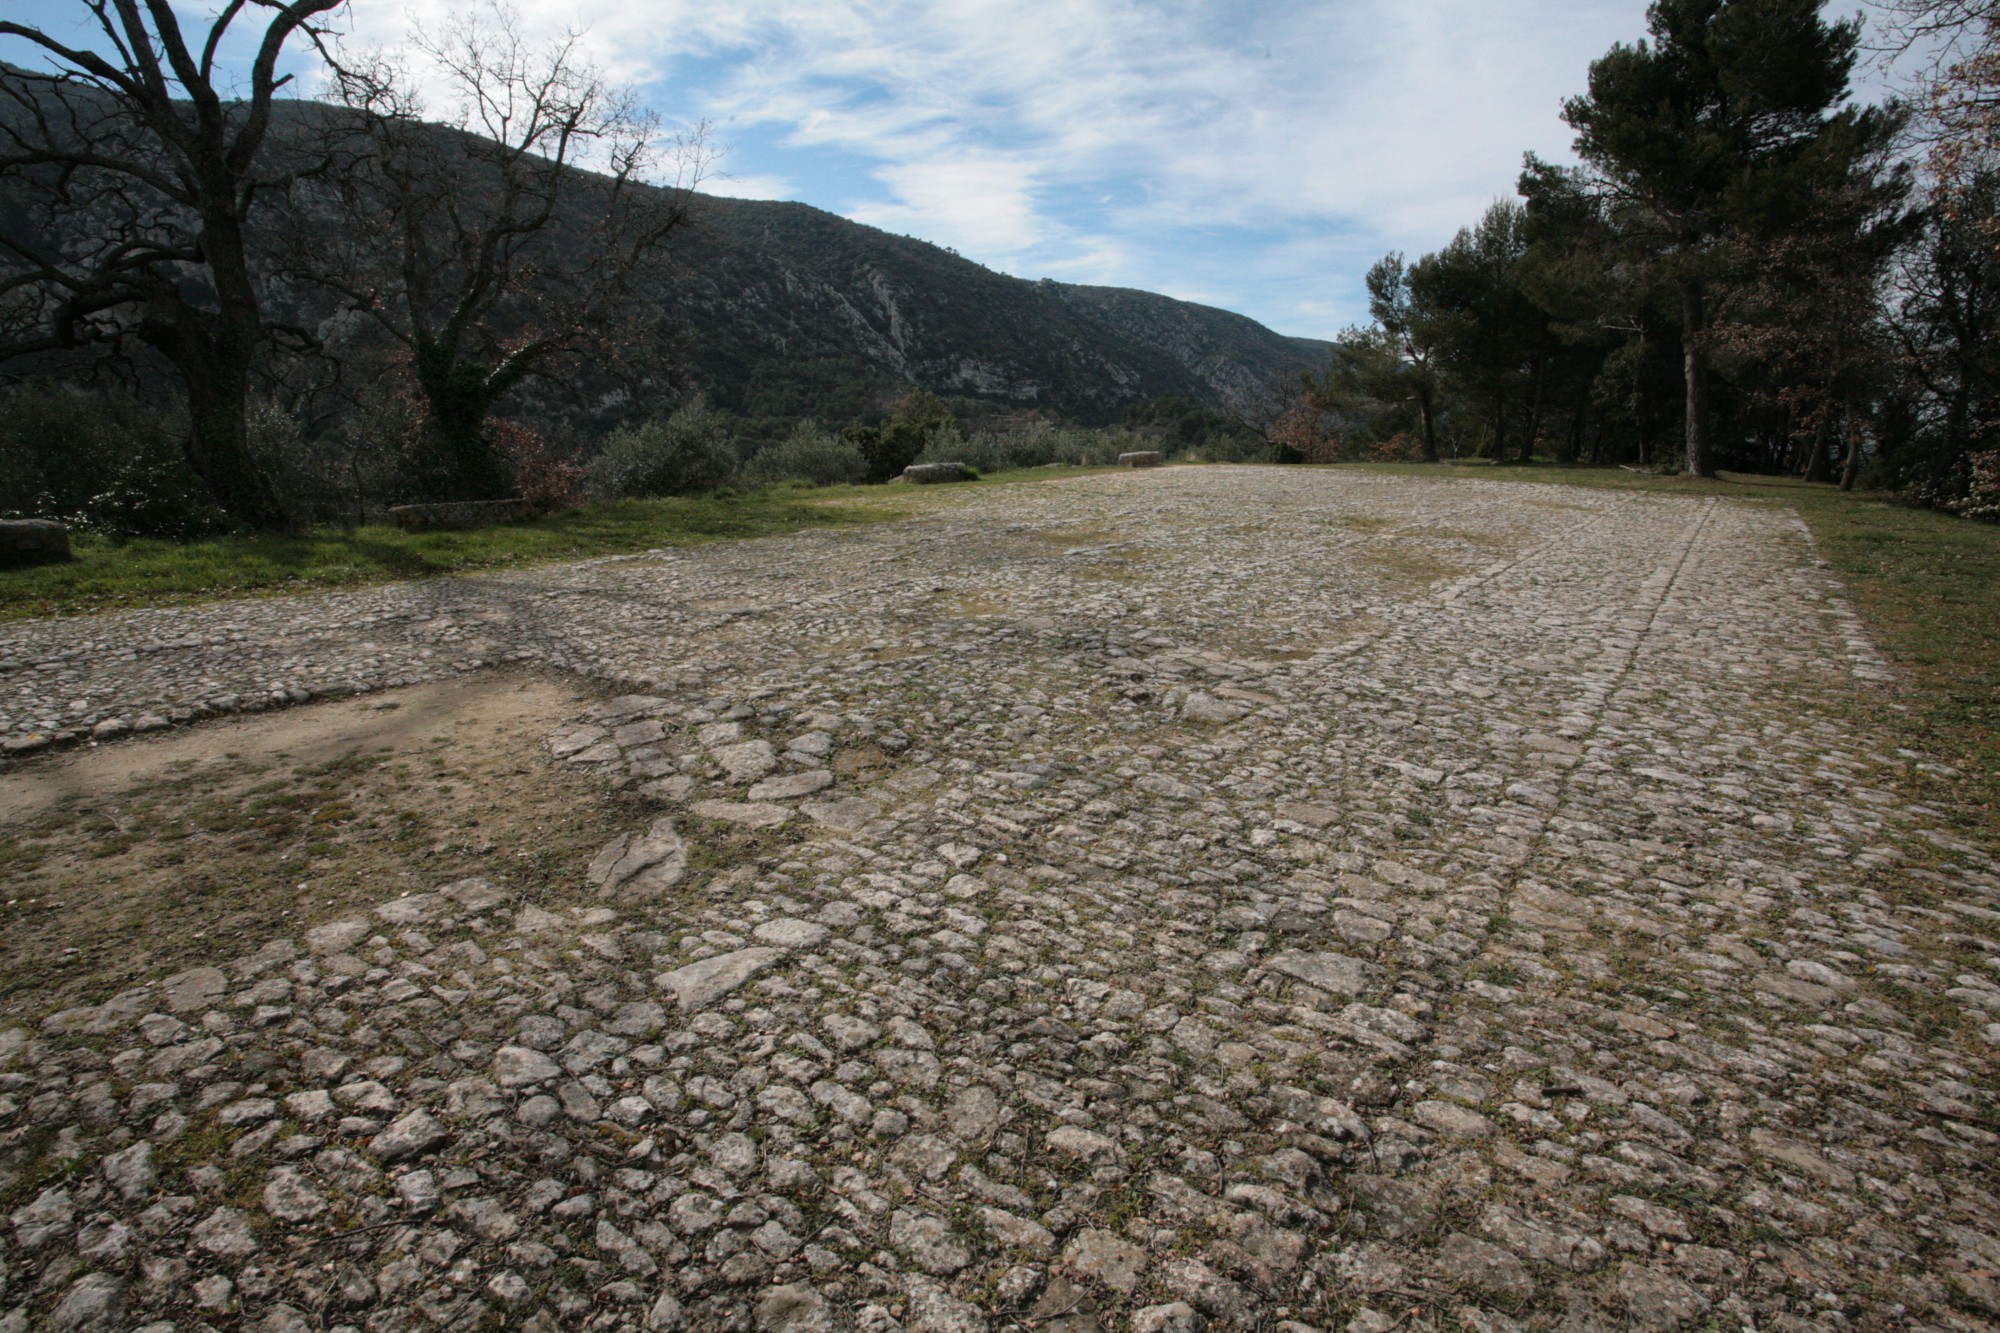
(520, 1066)
(791, 786)
(849, 814)
(32, 541)
(412, 1136)
(745, 761)
(790, 933)
(637, 869)
(94, 1303)
(930, 474)
(1105, 1257)
(700, 984)
(793, 1308)
(751, 814)
(1476, 1266)
(1201, 707)
(1328, 971)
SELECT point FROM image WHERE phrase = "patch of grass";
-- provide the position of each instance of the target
(114, 576)
(1928, 586)
(108, 576)
(197, 865)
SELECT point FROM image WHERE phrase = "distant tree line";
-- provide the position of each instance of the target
(224, 305)
(1747, 271)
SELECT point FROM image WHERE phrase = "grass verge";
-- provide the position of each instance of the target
(1927, 584)
(108, 576)
(117, 576)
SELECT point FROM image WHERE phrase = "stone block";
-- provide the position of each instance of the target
(1142, 458)
(930, 474)
(32, 541)
(460, 514)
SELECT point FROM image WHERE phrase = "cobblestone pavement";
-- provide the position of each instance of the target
(1208, 898)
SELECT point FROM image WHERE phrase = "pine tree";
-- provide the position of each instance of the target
(1692, 130)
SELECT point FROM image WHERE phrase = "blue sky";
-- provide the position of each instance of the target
(1255, 156)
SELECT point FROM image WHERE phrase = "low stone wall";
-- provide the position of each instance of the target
(1144, 458)
(460, 514)
(930, 474)
(32, 541)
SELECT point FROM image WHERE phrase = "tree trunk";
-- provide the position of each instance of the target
(1535, 411)
(1499, 427)
(1579, 420)
(214, 358)
(1957, 425)
(1429, 417)
(462, 463)
(1850, 470)
(218, 447)
(1694, 363)
(1817, 468)
(213, 351)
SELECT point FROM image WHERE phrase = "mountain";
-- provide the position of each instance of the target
(781, 310)
(787, 310)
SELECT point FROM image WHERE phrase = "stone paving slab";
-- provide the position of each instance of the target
(1272, 899)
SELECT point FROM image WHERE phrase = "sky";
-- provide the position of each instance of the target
(1257, 156)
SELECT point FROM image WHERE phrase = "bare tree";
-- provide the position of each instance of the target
(133, 179)
(503, 242)
(1958, 95)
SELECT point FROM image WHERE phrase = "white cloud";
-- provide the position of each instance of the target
(1090, 138)
(976, 202)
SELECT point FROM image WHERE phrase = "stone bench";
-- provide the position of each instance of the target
(460, 514)
(1144, 458)
(32, 541)
(930, 474)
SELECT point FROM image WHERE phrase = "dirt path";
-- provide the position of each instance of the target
(1218, 897)
(127, 861)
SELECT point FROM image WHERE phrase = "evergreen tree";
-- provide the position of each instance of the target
(1412, 334)
(1695, 129)
(1489, 335)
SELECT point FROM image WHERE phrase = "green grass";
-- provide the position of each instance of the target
(108, 576)
(1928, 586)
(115, 576)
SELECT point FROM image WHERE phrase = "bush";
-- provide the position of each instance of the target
(543, 480)
(683, 454)
(156, 497)
(61, 446)
(810, 455)
(901, 440)
(101, 460)
(1970, 490)
(314, 481)
(1040, 445)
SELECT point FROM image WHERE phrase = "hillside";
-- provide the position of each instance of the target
(786, 309)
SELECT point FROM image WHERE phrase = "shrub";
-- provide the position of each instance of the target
(1982, 499)
(1039, 445)
(683, 454)
(314, 480)
(543, 480)
(902, 439)
(156, 497)
(810, 455)
(1971, 490)
(61, 446)
(104, 460)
